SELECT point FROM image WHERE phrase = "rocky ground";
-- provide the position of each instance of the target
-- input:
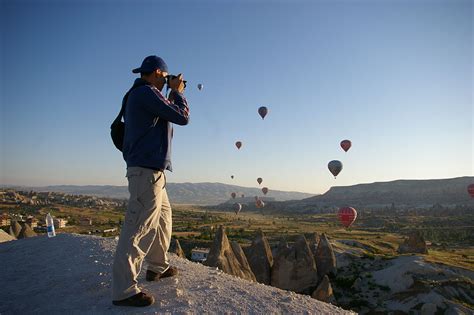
(70, 274)
(405, 284)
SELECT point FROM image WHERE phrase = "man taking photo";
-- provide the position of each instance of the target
(146, 231)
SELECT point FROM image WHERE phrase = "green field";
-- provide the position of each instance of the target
(452, 243)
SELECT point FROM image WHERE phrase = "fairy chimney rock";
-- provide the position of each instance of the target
(415, 243)
(15, 229)
(325, 258)
(26, 232)
(175, 248)
(324, 291)
(294, 268)
(222, 255)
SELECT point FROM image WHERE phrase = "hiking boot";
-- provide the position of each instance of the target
(140, 299)
(153, 276)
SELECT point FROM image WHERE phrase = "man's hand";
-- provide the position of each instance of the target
(177, 83)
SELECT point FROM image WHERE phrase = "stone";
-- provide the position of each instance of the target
(325, 258)
(294, 268)
(324, 291)
(175, 248)
(222, 256)
(414, 244)
(313, 241)
(26, 232)
(260, 258)
(5, 237)
(242, 259)
(15, 229)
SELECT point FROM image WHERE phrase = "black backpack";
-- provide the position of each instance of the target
(117, 129)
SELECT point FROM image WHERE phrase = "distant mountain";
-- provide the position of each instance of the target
(182, 193)
(399, 193)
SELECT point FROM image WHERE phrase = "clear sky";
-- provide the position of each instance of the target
(395, 77)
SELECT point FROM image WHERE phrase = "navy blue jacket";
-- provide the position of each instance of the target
(148, 126)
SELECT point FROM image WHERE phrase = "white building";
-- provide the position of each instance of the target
(59, 223)
(199, 254)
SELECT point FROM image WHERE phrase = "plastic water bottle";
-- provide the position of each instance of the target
(50, 226)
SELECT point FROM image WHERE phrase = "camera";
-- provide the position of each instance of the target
(172, 76)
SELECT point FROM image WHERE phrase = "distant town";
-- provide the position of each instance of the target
(71, 213)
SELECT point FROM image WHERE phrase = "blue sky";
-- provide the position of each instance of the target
(395, 77)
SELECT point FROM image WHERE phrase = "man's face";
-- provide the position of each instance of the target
(160, 78)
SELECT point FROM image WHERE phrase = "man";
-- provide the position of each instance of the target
(146, 231)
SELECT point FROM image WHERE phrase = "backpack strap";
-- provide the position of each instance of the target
(122, 110)
(124, 102)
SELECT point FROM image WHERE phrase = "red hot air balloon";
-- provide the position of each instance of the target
(265, 190)
(470, 190)
(259, 180)
(259, 203)
(346, 145)
(238, 144)
(233, 195)
(263, 111)
(347, 216)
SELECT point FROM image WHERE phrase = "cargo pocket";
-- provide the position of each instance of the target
(135, 188)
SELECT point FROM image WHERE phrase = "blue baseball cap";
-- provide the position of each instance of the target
(151, 63)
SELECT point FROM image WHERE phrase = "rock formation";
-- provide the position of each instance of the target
(15, 229)
(260, 258)
(294, 268)
(415, 243)
(26, 232)
(222, 255)
(325, 258)
(5, 237)
(175, 248)
(313, 241)
(244, 264)
(324, 291)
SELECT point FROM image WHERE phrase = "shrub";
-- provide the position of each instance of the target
(344, 282)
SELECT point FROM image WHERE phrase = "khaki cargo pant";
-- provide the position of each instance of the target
(146, 231)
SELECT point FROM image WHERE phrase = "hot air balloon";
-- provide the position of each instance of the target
(335, 167)
(259, 180)
(264, 190)
(232, 176)
(200, 86)
(259, 203)
(233, 195)
(238, 144)
(347, 216)
(263, 111)
(346, 145)
(470, 190)
(237, 207)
